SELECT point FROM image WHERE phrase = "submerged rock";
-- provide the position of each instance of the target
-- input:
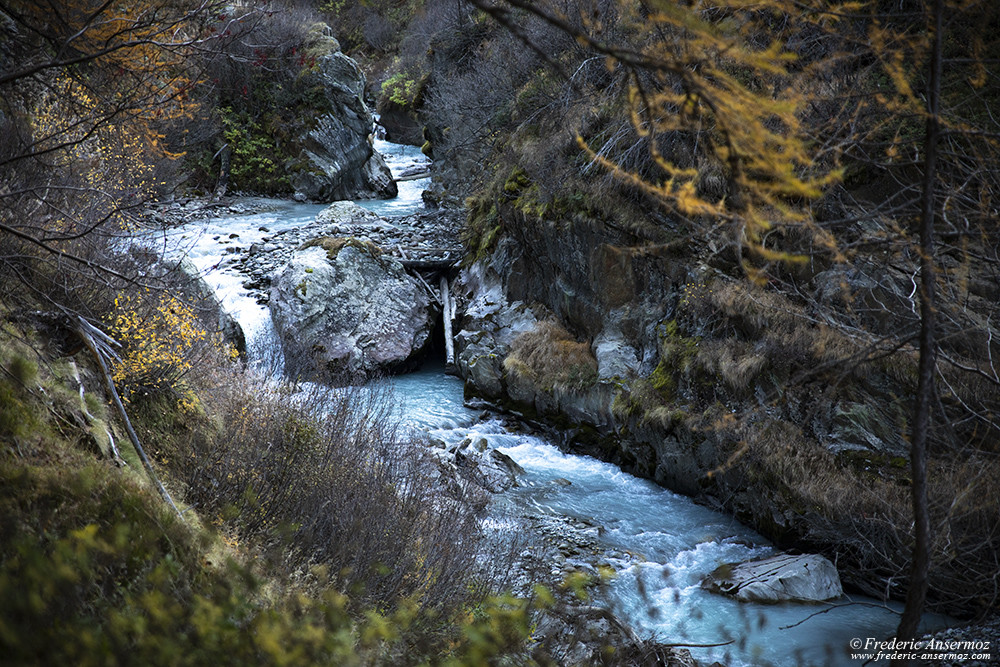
(804, 578)
(491, 469)
(345, 312)
(477, 464)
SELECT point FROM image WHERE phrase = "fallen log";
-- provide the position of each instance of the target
(99, 345)
(446, 315)
(430, 264)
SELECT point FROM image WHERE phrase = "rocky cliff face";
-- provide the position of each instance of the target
(681, 371)
(337, 161)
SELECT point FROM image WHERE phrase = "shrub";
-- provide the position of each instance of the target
(322, 474)
(254, 151)
(400, 89)
(162, 340)
(96, 570)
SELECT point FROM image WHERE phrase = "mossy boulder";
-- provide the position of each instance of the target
(344, 312)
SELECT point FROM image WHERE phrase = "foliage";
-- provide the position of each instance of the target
(254, 153)
(94, 569)
(373, 26)
(112, 160)
(723, 148)
(92, 98)
(162, 339)
(324, 476)
(263, 95)
(400, 89)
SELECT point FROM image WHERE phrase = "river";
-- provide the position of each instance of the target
(660, 544)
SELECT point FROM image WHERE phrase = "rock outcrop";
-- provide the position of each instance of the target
(804, 578)
(185, 278)
(337, 160)
(345, 312)
(490, 325)
(693, 373)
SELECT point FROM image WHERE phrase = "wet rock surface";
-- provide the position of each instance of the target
(430, 235)
(337, 160)
(425, 236)
(475, 464)
(177, 212)
(786, 577)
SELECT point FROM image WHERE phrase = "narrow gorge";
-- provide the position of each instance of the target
(493, 332)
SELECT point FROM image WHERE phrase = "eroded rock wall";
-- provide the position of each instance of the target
(337, 160)
(697, 384)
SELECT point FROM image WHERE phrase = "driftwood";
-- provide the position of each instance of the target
(429, 264)
(446, 315)
(430, 292)
(100, 345)
(413, 177)
(115, 454)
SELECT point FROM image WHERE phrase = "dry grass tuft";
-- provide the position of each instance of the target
(549, 356)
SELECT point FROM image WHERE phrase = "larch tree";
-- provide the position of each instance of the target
(89, 89)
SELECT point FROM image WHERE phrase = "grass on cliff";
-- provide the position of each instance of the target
(550, 357)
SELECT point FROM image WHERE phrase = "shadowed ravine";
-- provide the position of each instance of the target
(659, 544)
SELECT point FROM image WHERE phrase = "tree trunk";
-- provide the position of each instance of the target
(225, 156)
(917, 592)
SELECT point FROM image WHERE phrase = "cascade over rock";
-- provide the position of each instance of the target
(337, 160)
(191, 285)
(345, 312)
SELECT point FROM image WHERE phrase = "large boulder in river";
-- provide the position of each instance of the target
(804, 578)
(345, 312)
(337, 160)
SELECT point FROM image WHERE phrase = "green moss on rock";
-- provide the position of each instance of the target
(334, 244)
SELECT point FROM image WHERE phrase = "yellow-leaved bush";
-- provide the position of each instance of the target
(162, 340)
(113, 160)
